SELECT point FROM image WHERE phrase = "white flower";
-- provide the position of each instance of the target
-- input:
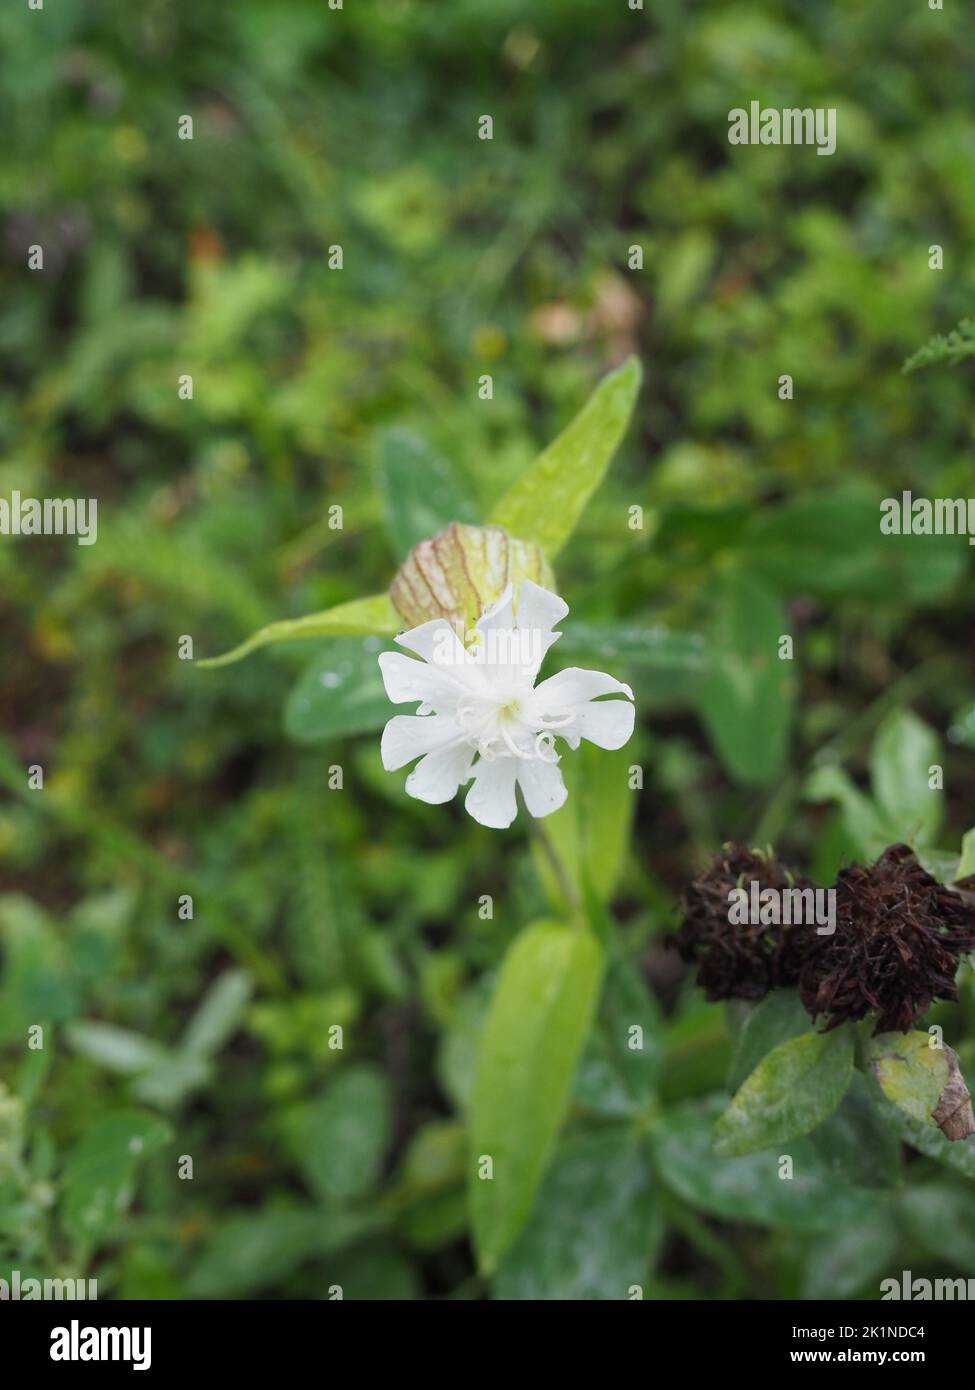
(483, 703)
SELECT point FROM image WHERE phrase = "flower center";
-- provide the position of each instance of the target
(497, 729)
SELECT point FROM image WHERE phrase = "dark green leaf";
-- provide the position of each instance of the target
(746, 700)
(856, 1141)
(941, 1218)
(903, 751)
(340, 692)
(790, 1092)
(99, 1176)
(595, 1229)
(751, 1188)
(777, 1017)
(850, 1260)
(348, 1132)
(421, 492)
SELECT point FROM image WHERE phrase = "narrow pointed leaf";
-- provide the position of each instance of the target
(361, 617)
(546, 502)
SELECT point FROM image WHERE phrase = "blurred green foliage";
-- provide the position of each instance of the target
(313, 907)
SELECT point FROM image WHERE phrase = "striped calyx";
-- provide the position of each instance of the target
(460, 572)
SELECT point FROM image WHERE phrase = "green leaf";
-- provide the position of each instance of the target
(670, 665)
(902, 752)
(629, 1018)
(348, 1133)
(254, 1250)
(649, 648)
(966, 865)
(119, 1049)
(829, 545)
(862, 821)
(751, 1188)
(775, 1019)
(590, 832)
(957, 1154)
(546, 502)
(377, 1273)
(459, 1045)
(536, 1025)
(430, 1192)
(218, 1014)
(856, 1141)
(37, 979)
(953, 347)
(340, 692)
(797, 1085)
(100, 1173)
(941, 1218)
(746, 700)
(420, 490)
(598, 1087)
(849, 1260)
(596, 1226)
(911, 1073)
(361, 617)
(169, 1083)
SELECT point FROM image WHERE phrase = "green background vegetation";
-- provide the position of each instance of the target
(360, 907)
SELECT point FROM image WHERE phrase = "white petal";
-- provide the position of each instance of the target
(573, 692)
(491, 799)
(538, 607)
(541, 785)
(513, 649)
(436, 641)
(437, 777)
(574, 686)
(405, 678)
(499, 614)
(409, 736)
(607, 723)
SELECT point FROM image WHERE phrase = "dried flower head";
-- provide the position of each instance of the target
(899, 936)
(739, 959)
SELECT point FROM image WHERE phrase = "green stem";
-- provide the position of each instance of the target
(563, 878)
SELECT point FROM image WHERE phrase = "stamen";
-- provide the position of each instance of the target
(556, 722)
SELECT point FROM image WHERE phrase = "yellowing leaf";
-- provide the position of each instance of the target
(911, 1073)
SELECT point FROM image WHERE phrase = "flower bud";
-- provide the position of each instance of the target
(460, 572)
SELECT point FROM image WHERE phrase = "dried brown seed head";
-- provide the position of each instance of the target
(739, 960)
(898, 940)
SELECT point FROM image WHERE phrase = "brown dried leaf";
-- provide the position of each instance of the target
(953, 1114)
